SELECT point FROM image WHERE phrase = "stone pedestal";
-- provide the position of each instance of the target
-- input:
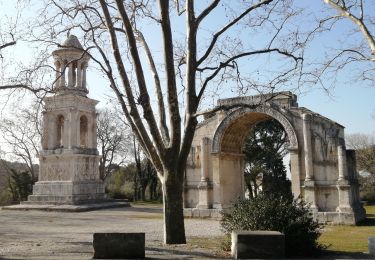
(258, 244)
(119, 245)
(205, 189)
(343, 188)
(371, 246)
(309, 189)
(68, 178)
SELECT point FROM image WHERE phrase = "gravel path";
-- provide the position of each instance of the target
(56, 235)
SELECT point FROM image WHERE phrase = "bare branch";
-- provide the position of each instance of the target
(229, 25)
(358, 21)
(158, 90)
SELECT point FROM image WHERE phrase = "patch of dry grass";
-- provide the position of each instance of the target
(351, 239)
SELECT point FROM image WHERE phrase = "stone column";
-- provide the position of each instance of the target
(45, 131)
(341, 162)
(74, 133)
(84, 67)
(343, 186)
(69, 134)
(295, 172)
(309, 184)
(70, 75)
(52, 133)
(94, 130)
(62, 73)
(79, 74)
(204, 158)
(216, 158)
(65, 141)
(90, 134)
(307, 147)
(58, 73)
(204, 185)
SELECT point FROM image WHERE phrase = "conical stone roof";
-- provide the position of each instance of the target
(72, 42)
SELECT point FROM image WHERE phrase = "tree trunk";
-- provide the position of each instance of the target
(174, 229)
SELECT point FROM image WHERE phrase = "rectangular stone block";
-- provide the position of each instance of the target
(258, 244)
(119, 245)
(371, 246)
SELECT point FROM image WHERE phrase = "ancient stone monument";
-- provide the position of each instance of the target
(323, 172)
(69, 172)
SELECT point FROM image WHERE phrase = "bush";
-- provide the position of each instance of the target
(6, 197)
(278, 213)
(20, 185)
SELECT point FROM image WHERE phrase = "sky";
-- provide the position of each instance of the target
(350, 103)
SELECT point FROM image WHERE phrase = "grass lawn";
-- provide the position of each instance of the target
(147, 203)
(351, 239)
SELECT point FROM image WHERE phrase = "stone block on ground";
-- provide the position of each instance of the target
(119, 245)
(258, 244)
(371, 246)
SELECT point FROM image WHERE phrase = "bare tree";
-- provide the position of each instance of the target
(346, 53)
(113, 140)
(365, 151)
(188, 64)
(22, 136)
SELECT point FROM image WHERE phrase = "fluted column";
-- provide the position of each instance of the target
(309, 184)
(205, 188)
(45, 131)
(307, 147)
(343, 185)
(204, 158)
(295, 172)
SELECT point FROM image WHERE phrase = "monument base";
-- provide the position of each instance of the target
(68, 208)
(67, 192)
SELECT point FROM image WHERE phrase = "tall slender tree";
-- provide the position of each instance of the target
(120, 37)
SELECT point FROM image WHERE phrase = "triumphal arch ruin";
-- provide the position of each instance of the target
(323, 171)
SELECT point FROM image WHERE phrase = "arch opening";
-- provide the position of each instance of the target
(227, 147)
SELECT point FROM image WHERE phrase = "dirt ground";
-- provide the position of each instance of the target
(66, 235)
(57, 235)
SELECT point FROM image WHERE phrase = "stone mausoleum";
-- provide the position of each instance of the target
(322, 170)
(69, 159)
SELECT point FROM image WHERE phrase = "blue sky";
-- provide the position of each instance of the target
(350, 103)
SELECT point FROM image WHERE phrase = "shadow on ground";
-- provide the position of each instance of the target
(368, 222)
(139, 209)
(161, 252)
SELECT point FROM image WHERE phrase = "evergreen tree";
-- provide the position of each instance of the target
(264, 150)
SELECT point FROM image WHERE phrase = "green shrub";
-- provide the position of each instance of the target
(6, 197)
(284, 214)
(20, 185)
